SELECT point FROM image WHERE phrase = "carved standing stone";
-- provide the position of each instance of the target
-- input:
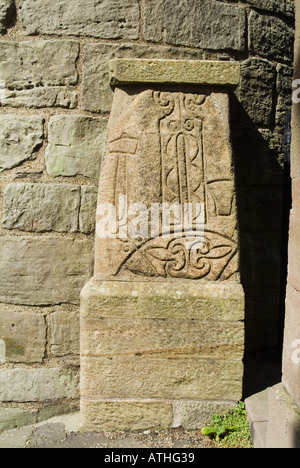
(166, 245)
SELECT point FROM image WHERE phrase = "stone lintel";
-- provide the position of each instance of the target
(196, 72)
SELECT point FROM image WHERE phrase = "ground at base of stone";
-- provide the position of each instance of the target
(63, 432)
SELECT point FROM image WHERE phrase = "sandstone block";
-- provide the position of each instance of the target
(207, 24)
(41, 207)
(75, 146)
(161, 338)
(285, 7)
(7, 11)
(24, 335)
(174, 71)
(87, 215)
(11, 418)
(105, 19)
(20, 137)
(122, 416)
(160, 378)
(41, 271)
(195, 414)
(64, 327)
(270, 37)
(163, 300)
(39, 73)
(37, 384)
(284, 88)
(256, 89)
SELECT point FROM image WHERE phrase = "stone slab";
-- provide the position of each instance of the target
(64, 336)
(169, 338)
(39, 73)
(20, 137)
(284, 418)
(104, 19)
(208, 24)
(75, 145)
(184, 300)
(26, 385)
(11, 418)
(160, 378)
(24, 336)
(42, 271)
(87, 214)
(128, 71)
(125, 415)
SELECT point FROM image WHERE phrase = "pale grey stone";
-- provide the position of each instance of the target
(41, 207)
(41, 271)
(195, 414)
(208, 24)
(20, 137)
(270, 37)
(11, 418)
(40, 384)
(7, 10)
(75, 145)
(258, 79)
(24, 335)
(105, 19)
(64, 327)
(87, 215)
(97, 93)
(39, 73)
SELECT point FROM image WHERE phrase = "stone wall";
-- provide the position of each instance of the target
(55, 101)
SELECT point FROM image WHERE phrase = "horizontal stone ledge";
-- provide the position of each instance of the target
(200, 72)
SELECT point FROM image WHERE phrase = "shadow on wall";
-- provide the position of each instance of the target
(259, 178)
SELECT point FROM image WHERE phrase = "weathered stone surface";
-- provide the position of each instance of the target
(279, 6)
(270, 37)
(41, 207)
(134, 415)
(201, 72)
(163, 300)
(157, 124)
(284, 88)
(75, 145)
(10, 418)
(105, 19)
(64, 327)
(39, 73)
(7, 11)
(145, 377)
(97, 94)
(87, 215)
(20, 136)
(161, 338)
(37, 384)
(194, 415)
(24, 335)
(41, 271)
(256, 89)
(207, 24)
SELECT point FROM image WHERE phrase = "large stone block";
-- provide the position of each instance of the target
(75, 145)
(105, 19)
(160, 378)
(270, 37)
(64, 336)
(21, 385)
(208, 24)
(125, 415)
(41, 207)
(24, 336)
(275, 6)
(41, 271)
(39, 73)
(87, 214)
(20, 137)
(7, 11)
